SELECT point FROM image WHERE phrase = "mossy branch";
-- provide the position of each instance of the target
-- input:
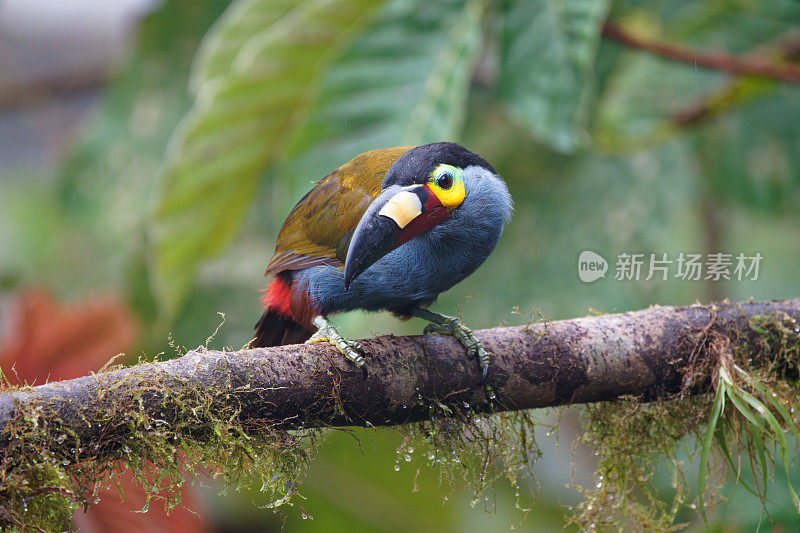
(61, 442)
(643, 354)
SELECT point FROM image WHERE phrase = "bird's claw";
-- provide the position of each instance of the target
(352, 350)
(432, 329)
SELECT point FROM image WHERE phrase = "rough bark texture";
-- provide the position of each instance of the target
(545, 364)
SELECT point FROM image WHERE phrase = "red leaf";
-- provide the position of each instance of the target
(111, 514)
(44, 341)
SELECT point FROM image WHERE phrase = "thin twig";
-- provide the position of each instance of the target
(737, 90)
(723, 61)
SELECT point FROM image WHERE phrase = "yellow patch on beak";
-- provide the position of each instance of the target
(403, 207)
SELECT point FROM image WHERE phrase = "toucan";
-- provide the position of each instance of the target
(389, 230)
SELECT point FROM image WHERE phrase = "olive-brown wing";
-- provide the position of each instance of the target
(319, 228)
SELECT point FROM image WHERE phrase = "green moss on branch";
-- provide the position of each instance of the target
(244, 413)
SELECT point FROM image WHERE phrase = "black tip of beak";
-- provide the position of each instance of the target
(350, 272)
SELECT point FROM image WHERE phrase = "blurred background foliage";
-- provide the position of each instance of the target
(163, 176)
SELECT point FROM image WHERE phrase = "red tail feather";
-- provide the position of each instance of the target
(277, 325)
(278, 296)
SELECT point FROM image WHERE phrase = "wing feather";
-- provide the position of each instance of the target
(319, 228)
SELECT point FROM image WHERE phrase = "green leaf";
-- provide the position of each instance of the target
(736, 397)
(769, 398)
(239, 124)
(756, 167)
(708, 440)
(757, 438)
(777, 434)
(547, 55)
(722, 444)
(230, 34)
(642, 96)
(108, 175)
(405, 80)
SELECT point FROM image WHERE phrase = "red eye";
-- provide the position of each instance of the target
(445, 181)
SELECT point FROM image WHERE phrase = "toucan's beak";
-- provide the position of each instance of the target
(393, 218)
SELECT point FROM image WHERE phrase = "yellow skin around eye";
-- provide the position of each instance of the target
(452, 197)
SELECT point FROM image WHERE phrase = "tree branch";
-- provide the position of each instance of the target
(738, 90)
(742, 66)
(590, 359)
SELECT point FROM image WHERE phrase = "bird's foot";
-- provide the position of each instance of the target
(326, 332)
(449, 325)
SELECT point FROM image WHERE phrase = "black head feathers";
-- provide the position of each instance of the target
(416, 165)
